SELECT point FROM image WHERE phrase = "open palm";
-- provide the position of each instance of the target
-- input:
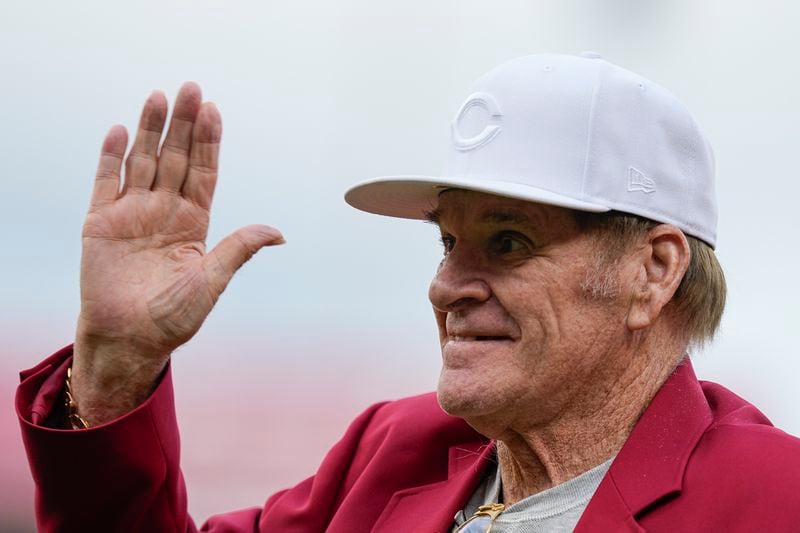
(147, 283)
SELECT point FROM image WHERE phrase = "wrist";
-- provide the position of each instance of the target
(109, 381)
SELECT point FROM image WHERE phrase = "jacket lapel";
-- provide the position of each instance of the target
(652, 462)
(431, 508)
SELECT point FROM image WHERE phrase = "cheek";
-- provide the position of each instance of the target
(538, 310)
(553, 312)
(588, 328)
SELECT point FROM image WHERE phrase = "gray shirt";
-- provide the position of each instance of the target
(556, 509)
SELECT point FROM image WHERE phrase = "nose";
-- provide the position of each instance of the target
(457, 284)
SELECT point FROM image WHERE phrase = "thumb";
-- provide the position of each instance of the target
(236, 249)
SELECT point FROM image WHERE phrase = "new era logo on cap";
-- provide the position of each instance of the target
(639, 182)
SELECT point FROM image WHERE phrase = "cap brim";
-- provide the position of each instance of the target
(415, 196)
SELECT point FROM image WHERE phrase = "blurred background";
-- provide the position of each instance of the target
(317, 95)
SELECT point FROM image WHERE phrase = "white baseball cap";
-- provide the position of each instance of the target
(575, 132)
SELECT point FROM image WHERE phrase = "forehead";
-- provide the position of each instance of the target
(458, 206)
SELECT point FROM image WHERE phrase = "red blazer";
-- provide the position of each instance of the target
(699, 459)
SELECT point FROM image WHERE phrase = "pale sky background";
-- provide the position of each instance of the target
(314, 97)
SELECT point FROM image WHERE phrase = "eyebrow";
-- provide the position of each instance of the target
(433, 216)
(499, 216)
(494, 216)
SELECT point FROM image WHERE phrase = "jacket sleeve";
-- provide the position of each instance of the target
(125, 475)
(120, 476)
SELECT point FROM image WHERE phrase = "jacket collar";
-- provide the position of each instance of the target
(652, 462)
(431, 508)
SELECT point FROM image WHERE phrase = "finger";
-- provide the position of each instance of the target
(236, 249)
(106, 181)
(174, 158)
(140, 167)
(201, 177)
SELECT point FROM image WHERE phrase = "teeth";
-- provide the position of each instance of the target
(457, 338)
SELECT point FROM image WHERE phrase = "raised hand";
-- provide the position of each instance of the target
(147, 283)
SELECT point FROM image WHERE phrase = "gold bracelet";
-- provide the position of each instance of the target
(75, 420)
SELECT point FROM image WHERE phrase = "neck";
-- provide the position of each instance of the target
(586, 433)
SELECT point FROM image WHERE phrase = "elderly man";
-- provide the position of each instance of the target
(578, 221)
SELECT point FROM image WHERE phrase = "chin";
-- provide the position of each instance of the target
(484, 401)
(474, 411)
(464, 399)
(453, 406)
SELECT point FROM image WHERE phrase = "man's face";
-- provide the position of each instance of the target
(521, 336)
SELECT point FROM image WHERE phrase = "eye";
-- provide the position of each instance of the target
(448, 242)
(508, 243)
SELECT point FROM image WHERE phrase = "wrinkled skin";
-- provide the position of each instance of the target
(147, 283)
(521, 283)
(531, 355)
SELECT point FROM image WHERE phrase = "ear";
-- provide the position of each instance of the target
(662, 261)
